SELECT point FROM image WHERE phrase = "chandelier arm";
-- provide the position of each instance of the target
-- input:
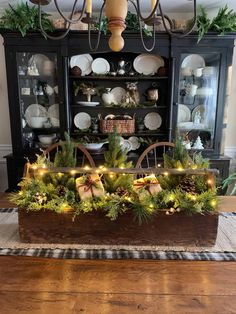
(99, 31)
(166, 17)
(141, 32)
(138, 9)
(187, 32)
(45, 33)
(70, 20)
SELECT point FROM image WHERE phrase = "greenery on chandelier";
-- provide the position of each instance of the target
(116, 194)
(24, 18)
(223, 22)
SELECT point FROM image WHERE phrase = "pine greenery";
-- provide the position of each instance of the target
(223, 22)
(66, 156)
(116, 157)
(24, 18)
(57, 192)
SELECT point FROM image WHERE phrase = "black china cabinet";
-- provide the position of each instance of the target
(46, 98)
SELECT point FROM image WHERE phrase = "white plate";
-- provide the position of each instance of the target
(152, 121)
(100, 66)
(201, 109)
(184, 113)
(35, 110)
(148, 64)
(118, 93)
(134, 142)
(82, 120)
(53, 111)
(84, 62)
(193, 62)
(39, 60)
(126, 145)
(88, 103)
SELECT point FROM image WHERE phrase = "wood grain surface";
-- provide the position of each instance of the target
(36, 285)
(95, 228)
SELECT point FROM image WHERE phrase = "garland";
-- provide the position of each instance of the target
(144, 197)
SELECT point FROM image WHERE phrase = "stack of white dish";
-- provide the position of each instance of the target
(36, 116)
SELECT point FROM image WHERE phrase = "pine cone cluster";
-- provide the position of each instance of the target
(61, 191)
(121, 191)
(187, 185)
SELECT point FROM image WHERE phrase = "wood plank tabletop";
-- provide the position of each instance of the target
(41, 285)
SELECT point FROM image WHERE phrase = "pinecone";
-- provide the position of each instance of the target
(121, 191)
(187, 185)
(61, 191)
(40, 198)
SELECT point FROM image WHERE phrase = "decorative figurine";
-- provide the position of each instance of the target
(131, 96)
(197, 118)
(32, 70)
(198, 144)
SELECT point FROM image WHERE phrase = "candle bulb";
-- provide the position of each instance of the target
(153, 3)
(89, 7)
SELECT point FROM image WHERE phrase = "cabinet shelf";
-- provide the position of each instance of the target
(42, 130)
(119, 78)
(38, 77)
(117, 108)
(157, 134)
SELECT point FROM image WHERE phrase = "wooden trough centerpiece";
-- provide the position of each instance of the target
(94, 222)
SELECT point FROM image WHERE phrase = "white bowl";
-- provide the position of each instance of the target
(94, 145)
(55, 122)
(37, 122)
(47, 139)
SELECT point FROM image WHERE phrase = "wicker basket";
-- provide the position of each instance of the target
(120, 126)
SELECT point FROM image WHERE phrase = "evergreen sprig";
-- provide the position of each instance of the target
(66, 156)
(223, 22)
(24, 18)
(116, 157)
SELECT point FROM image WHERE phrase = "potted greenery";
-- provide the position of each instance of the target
(24, 18)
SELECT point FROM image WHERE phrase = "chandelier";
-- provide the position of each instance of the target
(116, 12)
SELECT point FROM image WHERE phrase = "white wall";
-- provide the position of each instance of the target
(5, 135)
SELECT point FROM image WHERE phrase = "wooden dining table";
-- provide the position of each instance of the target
(43, 285)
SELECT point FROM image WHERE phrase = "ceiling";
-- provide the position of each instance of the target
(168, 5)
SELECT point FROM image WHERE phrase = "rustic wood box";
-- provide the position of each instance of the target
(95, 228)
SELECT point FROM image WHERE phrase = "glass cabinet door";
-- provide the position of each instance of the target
(38, 96)
(197, 99)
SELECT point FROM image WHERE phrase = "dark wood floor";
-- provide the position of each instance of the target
(36, 285)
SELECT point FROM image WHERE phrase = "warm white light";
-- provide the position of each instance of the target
(213, 203)
(73, 172)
